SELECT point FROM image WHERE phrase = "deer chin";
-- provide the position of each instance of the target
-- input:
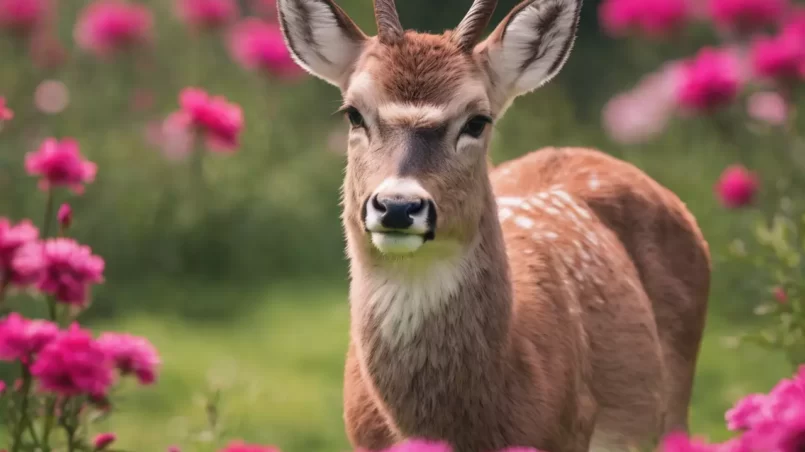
(397, 243)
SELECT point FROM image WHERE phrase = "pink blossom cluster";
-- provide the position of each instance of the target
(648, 17)
(737, 187)
(781, 57)
(773, 422)
(71, 362)
(207, 14)
(258, 45)
(22, 16)
(12, 239)
(213, 118)
(107, 27)
(746, 16)
(59, 163)
(710, 80)
(5, 113)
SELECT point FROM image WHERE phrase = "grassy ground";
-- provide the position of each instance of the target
(278, 362)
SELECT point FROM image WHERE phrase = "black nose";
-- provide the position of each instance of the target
(397, 213)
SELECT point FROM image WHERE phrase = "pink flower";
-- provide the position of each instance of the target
(73, 364)
(780, 295)
(102, 440)
(708, 81)
(780, 58)
(174, 449)
(22, 15)
(65, 216)
(643, 113)
(679, 442)
(649, 17)
(12, 238)
(20, 338)
(258, 45)
(419, 445)
(2, 387)
(207, 14)
(132, 355)
(768, 107)
(736, 187)
(240, 446)
(5, 113)
(60, 267)
(746, 16)
(218, 120)
(743, 415)
(60, 164)
(106, 27)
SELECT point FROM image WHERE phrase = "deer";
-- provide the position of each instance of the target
(555, 301)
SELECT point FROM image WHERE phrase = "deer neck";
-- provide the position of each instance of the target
(434, 334)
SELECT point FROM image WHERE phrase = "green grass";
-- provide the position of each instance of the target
(278, 363)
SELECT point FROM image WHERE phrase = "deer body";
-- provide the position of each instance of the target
(554, 302)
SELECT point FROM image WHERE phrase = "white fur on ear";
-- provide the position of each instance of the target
(532, 44)
(321, 38)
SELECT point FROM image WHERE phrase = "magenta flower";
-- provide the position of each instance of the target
(60, 164)
(746, 16)
(2, 387)
(779, 58)
(60, 267)
(132, 355)
(107, 27)
(780, 295)
(240, 446)
(5, 113)
(708, 81)
(20, 338)
(258, 45)
(736, 187)
(207, 14)
(419, 445)
(102, 440)
(74, 364)
(65, 216)
(12, 239)
(743, 415)
(642, 113)
(768, 107)
(679, 442)
(649, 17)
(22, 16)
(219, 121)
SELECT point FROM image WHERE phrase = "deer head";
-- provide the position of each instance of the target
(420, 108)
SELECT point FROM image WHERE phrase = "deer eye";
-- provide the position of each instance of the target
(355, 118)
(476, 125)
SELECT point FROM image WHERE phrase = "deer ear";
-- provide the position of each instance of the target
(321, 38)
(530, 46)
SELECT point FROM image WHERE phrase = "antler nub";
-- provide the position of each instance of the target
(469, 31)
(389, 28)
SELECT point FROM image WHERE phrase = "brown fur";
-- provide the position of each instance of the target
(524, 354)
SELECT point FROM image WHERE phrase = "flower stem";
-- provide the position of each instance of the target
(23, 420)
(48, 213)
(49, 416)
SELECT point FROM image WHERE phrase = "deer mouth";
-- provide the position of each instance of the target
(397, 242)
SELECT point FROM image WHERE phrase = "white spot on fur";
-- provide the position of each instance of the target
(524, 222)
(552, 210)
(510, 201)
(551, 235)
(593, 182)
(504, 214)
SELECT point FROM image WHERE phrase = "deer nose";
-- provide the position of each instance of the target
(398, 212)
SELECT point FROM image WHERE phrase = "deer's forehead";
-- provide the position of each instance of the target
(423, 70)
